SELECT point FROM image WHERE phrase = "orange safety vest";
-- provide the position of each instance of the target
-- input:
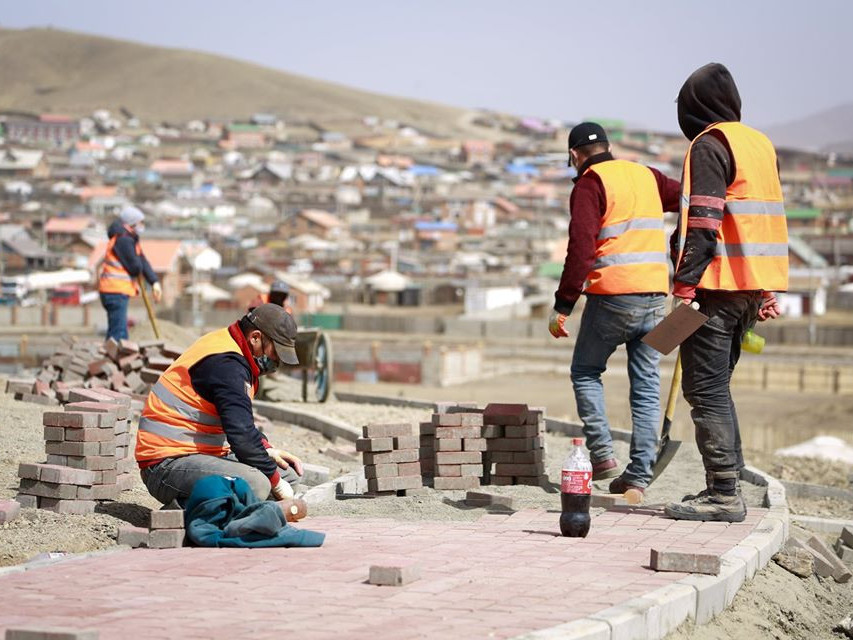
(752, 242)
(176, 420)
(114, 277)
(630, 253)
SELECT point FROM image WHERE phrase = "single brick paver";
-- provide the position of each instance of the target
(499, 577)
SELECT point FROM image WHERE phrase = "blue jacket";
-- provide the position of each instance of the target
(223, 512)
(125, 250)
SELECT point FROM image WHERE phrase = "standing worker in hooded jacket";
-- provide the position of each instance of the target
(732, 254)
(617, 257)
(123, 262)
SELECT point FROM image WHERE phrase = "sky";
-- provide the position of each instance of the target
(621, 59)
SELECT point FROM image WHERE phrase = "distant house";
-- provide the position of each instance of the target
(23, 163)
(306, 295)
(312, 221)
(21, 253)
(244, 136)
(437, 236)
(175, 172)
(71, 233)
(271, 174)
(477, 152)
(46, 129)
(164, 256)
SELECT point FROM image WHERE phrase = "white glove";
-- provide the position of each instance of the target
(157, 290)
(282, 491)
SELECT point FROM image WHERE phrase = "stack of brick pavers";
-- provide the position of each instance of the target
(88, 455)
(124, 366)
(458, 446)
(165, 531)
(515, 445)
(390, 453)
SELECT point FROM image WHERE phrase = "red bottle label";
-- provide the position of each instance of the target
(577, 482)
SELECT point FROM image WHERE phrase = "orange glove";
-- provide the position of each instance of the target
(557, 324)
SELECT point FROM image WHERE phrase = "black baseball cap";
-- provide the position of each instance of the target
(279, 326)
(586, 133)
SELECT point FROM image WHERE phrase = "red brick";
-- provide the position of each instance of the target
(106, 476)
(87, 435)
(128, 346)
(522, 431)
(458, 457)
(427, 429)
(28, 470)
(524, 457)
(98, 492)
(19, 385)
(471, 470)
(505, 414)
(111, 348)
(26, 501)
(493, 431)
(54, 434)
(109, 412)
(134, 537)
(58, 460)
(409, 469)
(394, 484)
(474, 444)
(407, 442)
(447, 419)
(471, 420)
(9, 510)
(381, 470)
(107, 448)
(87, 395)
(448, 444)
(36, 399)
(458, 432)
(406, 455)
(503, 469)
(394, 576)
(516, 444)
(73, 448)
(92, 463)
(118, 398)
(663, 560)
(386, 430)
(465, 482)
(67, 506)
(374, 444)
(65, 475)
(448, 470)
(502, 481)
(166, 538)
(167, 519)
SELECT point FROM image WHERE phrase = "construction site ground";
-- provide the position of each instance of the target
(775, 604)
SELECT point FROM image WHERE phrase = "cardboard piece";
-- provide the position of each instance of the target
(675, 329)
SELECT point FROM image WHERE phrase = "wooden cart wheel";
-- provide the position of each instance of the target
(317, 379)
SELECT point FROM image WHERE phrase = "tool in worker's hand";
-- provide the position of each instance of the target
(668, 447)
(148, 306)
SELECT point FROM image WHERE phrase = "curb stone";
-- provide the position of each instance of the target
(71, 557)
(696, 598)
(328, 426)
(822, 525)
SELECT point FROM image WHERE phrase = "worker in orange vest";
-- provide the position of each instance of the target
(120, 268)
(278, 294)
(617, 257)
(731, 255)
(197, 419)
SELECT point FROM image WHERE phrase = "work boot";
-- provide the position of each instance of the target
(709, 479)
(633, 493)
(605, 469)
(722, 501)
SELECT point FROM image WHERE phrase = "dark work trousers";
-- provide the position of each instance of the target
(708, 358)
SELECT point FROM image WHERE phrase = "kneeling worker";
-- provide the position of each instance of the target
(197, 420)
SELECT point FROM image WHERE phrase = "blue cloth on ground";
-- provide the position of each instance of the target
(224, 512)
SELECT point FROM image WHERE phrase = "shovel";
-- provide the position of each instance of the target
(667, 447)
(148, 307)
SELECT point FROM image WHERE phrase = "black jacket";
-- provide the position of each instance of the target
(125, 250)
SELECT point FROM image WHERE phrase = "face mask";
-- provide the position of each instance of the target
(266, 365)
(139, 228)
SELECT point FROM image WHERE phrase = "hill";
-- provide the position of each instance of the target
(829, 130)
(48, 70)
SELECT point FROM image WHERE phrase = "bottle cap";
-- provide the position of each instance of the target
(578, 442)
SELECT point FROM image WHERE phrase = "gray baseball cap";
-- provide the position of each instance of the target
(280, 327)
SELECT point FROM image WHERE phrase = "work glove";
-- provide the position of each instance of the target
(282, 491)
(770, 308)
(557, 324)
(157, 290)
(285, 460)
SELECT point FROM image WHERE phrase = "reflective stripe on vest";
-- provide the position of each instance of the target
(176, 420)
(114, 277)
(752, 241)
(630, 251)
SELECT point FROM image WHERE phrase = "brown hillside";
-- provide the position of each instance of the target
(48, 70)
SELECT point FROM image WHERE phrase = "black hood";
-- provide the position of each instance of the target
(709, 95)
(117, 227)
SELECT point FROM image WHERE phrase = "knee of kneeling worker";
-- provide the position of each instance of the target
(258, 482)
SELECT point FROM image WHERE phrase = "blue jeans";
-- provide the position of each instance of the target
(607, 322)
(115, 305)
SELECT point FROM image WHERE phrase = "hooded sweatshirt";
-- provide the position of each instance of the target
(708, 96)
(125, 250)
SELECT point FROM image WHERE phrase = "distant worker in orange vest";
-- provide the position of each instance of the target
(198, 421)
(278, 294)
(731, 253)
(119, 271)
(617, 257)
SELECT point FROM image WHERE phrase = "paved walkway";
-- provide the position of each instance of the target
(495, 578)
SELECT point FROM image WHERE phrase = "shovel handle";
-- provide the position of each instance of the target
(148, 307)
(673, 388)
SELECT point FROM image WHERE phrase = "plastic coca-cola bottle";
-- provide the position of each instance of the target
(575, 490)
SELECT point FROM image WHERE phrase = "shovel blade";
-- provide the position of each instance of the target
(666, 452)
